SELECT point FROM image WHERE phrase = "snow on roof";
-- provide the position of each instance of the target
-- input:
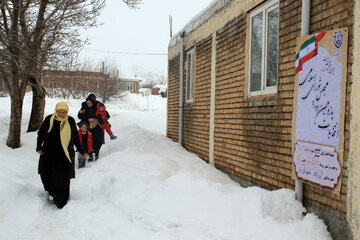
(162, 88)
(199, 19)
(130, 79)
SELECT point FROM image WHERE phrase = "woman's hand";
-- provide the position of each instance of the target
(40, 152)
(82, 111)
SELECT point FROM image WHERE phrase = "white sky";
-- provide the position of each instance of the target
(145, 30)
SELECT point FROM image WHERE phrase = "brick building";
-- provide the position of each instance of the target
(159, 90)
(129, 84)
(90, 81)
(84, 80)
(233, 117)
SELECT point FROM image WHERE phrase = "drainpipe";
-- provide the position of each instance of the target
(181, 86)
(305, 26)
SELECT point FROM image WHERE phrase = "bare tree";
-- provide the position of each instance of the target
(87, 65)
(73, 80)
(133, 4)
(160, 79)
(110, 86)
(153, 78)
(34, 35)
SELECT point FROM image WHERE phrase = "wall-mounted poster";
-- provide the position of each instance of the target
(319, 106)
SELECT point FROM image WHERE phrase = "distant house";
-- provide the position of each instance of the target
(90, 81)
(128, 84)
(159, 90)
(83, 80)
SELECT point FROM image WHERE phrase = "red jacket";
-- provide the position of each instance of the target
(102, 116)
(89, 140)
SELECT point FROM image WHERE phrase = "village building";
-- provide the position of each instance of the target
(235, 98)
(130, 84)
(159, 89)
(86, 80)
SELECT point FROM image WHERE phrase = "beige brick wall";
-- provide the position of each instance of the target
(173, 99)
(252, 136)
(326, 15)
(353, 196)
(197, 114)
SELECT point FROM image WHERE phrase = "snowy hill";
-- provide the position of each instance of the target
(144, 186)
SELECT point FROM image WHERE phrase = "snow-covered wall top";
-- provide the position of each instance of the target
(200, 19)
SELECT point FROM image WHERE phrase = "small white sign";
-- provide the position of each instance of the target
(317, 163)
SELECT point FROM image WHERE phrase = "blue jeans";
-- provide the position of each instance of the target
(81, 161)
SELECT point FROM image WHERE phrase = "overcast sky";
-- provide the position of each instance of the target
(145, 30)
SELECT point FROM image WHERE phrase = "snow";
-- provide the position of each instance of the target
(199, 19)
(144, 186)
(161, 87)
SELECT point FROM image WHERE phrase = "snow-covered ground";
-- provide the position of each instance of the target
(143, 187)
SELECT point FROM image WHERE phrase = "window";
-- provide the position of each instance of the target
(51, 83)
(190, 76)
(130, 88)
(263, 59)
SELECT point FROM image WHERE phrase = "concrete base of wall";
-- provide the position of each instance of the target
(339, 229)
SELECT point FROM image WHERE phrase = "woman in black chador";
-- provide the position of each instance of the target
(55, 144)
(88, 113)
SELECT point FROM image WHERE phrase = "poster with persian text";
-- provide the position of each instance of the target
(319, 107)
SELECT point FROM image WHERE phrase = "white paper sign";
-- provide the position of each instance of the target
(317, 163)
(319, 97)
(319, 107)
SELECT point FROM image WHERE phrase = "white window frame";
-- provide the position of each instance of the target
(265, 8)
(190, 76)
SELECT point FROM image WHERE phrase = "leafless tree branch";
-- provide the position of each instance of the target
(133, 4)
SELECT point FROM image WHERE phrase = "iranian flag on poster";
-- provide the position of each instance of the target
(308, 50)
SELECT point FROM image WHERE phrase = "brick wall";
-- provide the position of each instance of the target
(252, 137)
(173, 99)
(197, 114)
(75, 79)
(327, 15)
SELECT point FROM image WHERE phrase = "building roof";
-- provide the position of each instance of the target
(200, 19)
(162, 88)
(130, 80)
(72, 73)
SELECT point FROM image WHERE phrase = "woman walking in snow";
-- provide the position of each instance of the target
(89, 114)
(55, 144)
(90, 103)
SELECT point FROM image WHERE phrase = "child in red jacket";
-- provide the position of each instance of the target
(86, 141)
(103, 116)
